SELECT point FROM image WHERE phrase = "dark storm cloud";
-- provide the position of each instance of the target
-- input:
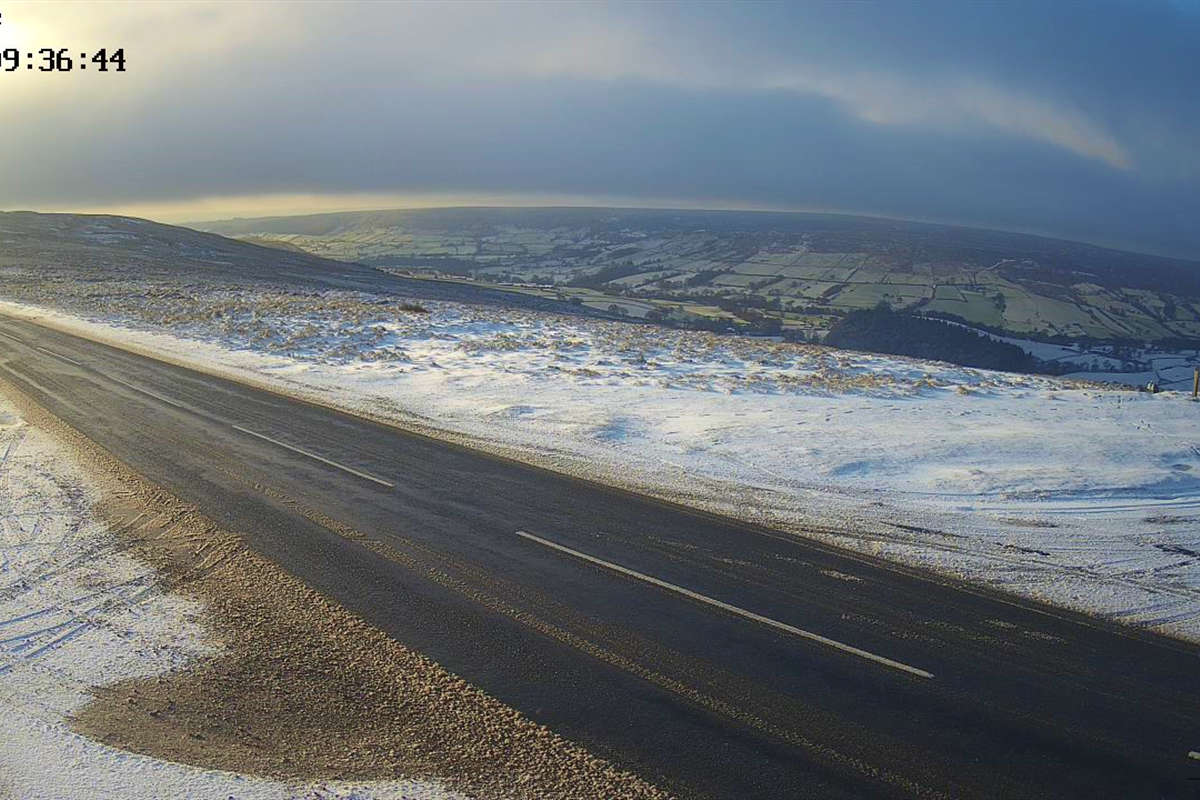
(1076, 120)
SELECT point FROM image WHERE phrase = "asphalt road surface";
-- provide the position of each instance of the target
(714, 658)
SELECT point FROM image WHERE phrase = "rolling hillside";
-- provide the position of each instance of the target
(108, 248)
(798, 271)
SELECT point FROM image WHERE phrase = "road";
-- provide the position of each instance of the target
(714, 658)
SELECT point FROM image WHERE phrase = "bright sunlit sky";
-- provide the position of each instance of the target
(1079, 120)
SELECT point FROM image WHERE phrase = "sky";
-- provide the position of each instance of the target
(1078, 120)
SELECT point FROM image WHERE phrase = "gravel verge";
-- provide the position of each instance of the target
(303, 689)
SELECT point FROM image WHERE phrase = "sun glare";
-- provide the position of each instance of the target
(19, 34)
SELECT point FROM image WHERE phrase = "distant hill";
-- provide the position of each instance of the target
(736, 269)
(119, 255)
(278, 244)
(105, 247)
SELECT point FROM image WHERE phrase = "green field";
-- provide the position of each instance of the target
(803, 270)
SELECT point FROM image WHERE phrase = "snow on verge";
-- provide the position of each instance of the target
(75, 611)
(1071, 493)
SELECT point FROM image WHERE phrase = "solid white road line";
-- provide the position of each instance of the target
(303, 452)
(56, 355)
(783, 626)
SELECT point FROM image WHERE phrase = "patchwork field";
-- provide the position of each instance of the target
(772, 272)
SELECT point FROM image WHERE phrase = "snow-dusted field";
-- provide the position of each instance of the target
(1132, 366)
(74, 611)
(1072, 493)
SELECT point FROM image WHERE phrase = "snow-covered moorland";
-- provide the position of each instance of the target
(1072, 493)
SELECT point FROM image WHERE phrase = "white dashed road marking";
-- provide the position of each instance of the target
(155, 395)
(783, 626)
(56, 355)
(323, 460)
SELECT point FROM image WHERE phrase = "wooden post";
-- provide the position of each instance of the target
(1195, 382)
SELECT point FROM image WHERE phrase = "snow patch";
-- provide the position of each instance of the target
(75, 610)
(1051, 488)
